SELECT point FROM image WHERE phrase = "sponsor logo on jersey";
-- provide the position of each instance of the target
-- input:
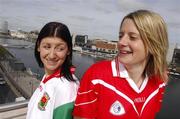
(117, 109)
(140, 100)
(43, 102)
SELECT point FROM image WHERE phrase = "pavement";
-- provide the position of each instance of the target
(14, 114)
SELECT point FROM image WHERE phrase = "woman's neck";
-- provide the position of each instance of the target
(136, 73)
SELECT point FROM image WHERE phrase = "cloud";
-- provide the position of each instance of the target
(130, 5)
(92, 17)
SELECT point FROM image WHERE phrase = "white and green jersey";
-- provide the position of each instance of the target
(53, 99)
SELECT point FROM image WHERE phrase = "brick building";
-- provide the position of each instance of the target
(106, 46)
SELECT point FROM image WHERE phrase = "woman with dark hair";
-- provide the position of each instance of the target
(54, 97)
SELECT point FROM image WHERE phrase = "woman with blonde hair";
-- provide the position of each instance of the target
(131, 85)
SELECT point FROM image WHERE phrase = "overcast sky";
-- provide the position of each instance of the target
(95, 18)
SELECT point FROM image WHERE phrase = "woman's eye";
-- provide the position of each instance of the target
(59, 49)
(120, 36)
(46, 47)
(133, 37)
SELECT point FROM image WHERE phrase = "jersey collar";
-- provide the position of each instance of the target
(56, 74)
(116, 66)
(118, 70)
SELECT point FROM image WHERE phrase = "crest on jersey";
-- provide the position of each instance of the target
(43, 102)
(117, 109)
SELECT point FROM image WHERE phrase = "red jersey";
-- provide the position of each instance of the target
(107, 92)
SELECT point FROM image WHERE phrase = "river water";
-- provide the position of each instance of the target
(26, 55)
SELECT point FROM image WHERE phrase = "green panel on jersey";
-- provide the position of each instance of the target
(64, 111)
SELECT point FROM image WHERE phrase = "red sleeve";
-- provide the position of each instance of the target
(86, 101)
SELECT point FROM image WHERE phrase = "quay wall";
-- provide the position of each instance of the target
(24, 82)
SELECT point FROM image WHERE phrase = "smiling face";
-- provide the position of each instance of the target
(130, 45)
(53, 52)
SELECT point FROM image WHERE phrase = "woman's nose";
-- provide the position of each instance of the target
(52, 53)
(123, 41)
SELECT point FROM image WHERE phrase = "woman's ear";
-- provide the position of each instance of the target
(68, 52)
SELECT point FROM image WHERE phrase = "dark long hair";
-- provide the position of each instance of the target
(60, 30)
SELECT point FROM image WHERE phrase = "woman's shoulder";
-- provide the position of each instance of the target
(101, 64)
(63, 83)
(97, 70)
(60, 83)
(66, 89)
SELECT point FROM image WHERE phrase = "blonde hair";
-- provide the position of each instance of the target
(153, 31)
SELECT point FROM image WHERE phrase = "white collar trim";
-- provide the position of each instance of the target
(124, 74)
